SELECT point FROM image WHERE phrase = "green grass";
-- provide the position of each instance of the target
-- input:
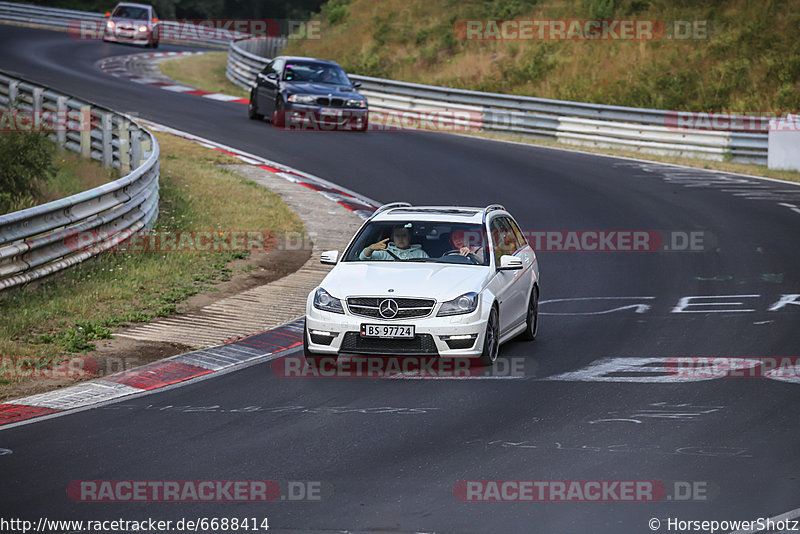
(68, 312)
(206, 72)
(750, 62)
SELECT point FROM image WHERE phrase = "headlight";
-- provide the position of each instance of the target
(466, 303)
(356, 103)
(142, 29)
(110, 24)
(324, 301)
(303, 99)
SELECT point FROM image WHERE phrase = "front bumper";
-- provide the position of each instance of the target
(432, 334)
(307, 115)
(127, 37)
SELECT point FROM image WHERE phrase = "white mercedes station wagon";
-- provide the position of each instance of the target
(426, 281)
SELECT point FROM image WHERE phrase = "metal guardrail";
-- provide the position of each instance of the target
(41, 240)
(248, 57)
(639, 129)
(69, 19)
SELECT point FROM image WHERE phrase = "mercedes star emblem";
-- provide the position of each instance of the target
(388, 308)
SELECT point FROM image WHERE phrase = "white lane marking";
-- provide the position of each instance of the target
(78, 396)
(177, 88)
(787, 516)
(649, 370)
(686, 302)
(222, 97)
(640, 308)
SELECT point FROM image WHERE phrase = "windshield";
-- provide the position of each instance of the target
(420, 241)
(130, 12)
(315, 72)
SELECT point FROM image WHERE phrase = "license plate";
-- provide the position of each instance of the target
(331, 112)
(387, 331)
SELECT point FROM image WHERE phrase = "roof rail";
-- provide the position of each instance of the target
(390, 206)
(491, 207)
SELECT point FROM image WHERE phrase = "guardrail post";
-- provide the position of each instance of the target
(13, 94)
(86, 131)
(37, 94)
(136, 146)
(124, 136)
(108, 148)
(63, 119)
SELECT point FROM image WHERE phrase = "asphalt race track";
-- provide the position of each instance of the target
(389, 453)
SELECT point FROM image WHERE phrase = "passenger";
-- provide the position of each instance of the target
(400, 246)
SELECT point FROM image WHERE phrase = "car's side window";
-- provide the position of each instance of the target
(268, 68)
(277, 67)
(522, 241)
(505, 242)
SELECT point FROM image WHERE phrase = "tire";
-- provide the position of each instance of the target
(532, 318)
(278, 116)
(252, 110)
(491, 340)
(155, 44)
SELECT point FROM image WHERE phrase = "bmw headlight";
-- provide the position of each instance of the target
(466, 303)
(324, 301)
(356, 103)
(303, 99)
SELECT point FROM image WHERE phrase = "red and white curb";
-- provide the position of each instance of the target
(120, 67)
(156, 375)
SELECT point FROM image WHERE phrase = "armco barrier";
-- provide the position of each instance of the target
(638, 129)
(38, 241)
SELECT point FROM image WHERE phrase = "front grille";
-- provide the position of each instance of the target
(407, 308)
(420, 344)
(331, 102)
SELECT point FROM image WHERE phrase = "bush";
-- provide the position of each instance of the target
(25, 165)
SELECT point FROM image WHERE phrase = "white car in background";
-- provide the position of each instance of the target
(462, 282)
(132, 23)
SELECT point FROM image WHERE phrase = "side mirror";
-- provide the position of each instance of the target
(108, 14)
(155, 21)
(329, 257)
(510, 263)
(356, 85)
(272, 76)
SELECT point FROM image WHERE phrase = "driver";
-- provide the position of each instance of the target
(400, 246)
(459, 239)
